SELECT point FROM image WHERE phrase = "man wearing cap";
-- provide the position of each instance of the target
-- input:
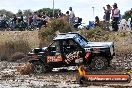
(115, 17)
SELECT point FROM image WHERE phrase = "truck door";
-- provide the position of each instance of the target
(71, 51)
(54, 52)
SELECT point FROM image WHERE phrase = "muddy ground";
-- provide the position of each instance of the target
(11, 78)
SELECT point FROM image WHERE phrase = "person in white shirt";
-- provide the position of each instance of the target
(71, 16)
(115, 17)
(1, 17)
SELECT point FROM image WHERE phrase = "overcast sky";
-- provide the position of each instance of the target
(82, 8)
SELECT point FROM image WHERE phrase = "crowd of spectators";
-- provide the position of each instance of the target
(113, 17)
(36, 20)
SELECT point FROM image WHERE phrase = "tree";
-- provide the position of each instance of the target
(49, 11)
(8, 14)
(19, 13)
(27, 12)
(126, 15)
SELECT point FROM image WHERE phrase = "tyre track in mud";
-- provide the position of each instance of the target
(10, 78)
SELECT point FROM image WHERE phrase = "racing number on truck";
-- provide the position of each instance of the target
(54, 58)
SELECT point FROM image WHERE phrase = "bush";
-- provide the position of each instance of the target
(96, 34)
(46, 34)
(10, 47)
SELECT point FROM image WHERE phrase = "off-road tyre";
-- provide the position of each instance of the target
(38, 68)
(98, 63)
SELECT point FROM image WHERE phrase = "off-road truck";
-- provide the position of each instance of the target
(71, 49)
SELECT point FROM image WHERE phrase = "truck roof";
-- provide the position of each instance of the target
(65, 36)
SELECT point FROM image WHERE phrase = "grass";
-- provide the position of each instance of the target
(12, 42)
(122, 40)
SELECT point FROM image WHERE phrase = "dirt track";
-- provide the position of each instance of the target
(122, 63)
(10, 78)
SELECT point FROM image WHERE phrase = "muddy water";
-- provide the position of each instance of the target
(10, 78)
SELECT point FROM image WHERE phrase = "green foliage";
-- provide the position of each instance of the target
(49, 11)
(19, 13)
(27, 12)
(56, 25)
(96, 34)
(127, 15)
(11, 47)
(7, 13)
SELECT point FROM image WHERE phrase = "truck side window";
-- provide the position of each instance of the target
(69, 46)
(54, 48)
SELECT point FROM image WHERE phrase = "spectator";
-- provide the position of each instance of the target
(67, 16)
(71, 16)
(115, 17)
(30, 19)
(97, 22)
(20, 19)
(14, 21)
(107, 13)
(35, 17)
(131, 18)
(59, 14)
(67, 13)
(1, 17)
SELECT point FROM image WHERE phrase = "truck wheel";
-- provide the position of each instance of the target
(99, 62)
(38, 68)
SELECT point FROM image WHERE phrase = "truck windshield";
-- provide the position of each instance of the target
(80, 40)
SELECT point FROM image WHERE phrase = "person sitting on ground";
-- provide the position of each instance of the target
(67, 16)
(59, 14)
(20, 18)
(14, 21)
(97, 22)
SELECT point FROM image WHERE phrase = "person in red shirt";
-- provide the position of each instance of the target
(115, 17)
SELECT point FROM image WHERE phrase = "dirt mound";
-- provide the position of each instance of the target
(25, 69)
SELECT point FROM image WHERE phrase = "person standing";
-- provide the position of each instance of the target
(131, 18)
(30, 20)
(115, 17)
(34, 18)
(71, 16)
(107, 13)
